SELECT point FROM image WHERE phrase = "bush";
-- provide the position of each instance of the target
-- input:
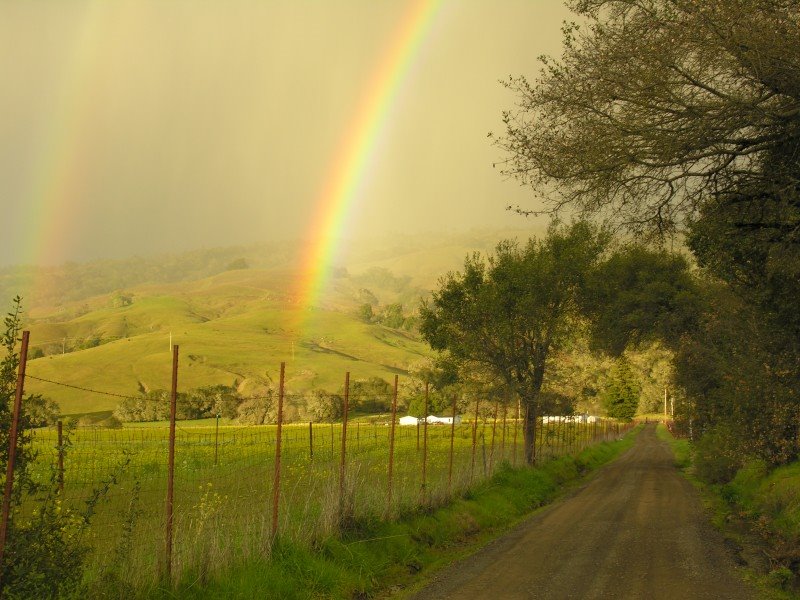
(45, 549)
(716, 459)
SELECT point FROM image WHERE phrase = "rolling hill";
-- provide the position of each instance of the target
(234, 326)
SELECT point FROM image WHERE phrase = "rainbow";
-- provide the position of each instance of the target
(350, 170)
(54, 196)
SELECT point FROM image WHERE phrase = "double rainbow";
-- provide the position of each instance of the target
(350, 170)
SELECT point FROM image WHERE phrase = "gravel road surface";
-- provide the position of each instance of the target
(636, 530)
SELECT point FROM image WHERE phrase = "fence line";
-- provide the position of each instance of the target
(215, 478)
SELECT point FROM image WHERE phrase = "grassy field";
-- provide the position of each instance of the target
(233, 326)
(229, 332)
(224, 484)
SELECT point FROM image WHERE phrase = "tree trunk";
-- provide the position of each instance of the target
(532, 409)
(530, 433)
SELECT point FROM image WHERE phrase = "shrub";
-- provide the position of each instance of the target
(716, 459)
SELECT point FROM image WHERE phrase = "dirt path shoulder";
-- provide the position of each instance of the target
(636, 530)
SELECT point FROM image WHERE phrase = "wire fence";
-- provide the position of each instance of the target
(189, 498)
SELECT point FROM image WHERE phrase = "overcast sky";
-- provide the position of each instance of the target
(137, 127)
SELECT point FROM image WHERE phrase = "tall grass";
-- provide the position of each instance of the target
(375, 555)
(223, 488)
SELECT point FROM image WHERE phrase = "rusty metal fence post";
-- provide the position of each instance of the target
(391, 449)
(12, 446)
(60, 427)
(216, 442)
(423, 491)
(503, 436)
(494, 431)
(173, 400)
(452, 445)
(310, 440)
(276, 484)
(516, 428)
(342, 463)
(474, 440)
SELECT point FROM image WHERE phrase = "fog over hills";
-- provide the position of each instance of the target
(108, 325)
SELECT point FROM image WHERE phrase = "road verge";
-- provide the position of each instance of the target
(378, 559)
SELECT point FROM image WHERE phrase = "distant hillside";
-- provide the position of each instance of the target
(423, 257)
(233, 328)
(107, 325)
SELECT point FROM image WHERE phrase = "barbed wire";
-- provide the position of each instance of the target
(83, 389)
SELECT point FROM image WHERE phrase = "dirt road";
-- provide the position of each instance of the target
(637, 530)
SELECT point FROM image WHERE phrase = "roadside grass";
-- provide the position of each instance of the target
(759, 512)
(373, 558)
(680, 448)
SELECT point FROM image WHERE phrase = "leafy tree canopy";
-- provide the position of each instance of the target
(660, 107)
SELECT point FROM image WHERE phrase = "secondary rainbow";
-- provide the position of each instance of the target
(351, 167)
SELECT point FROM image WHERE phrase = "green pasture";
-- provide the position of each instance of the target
(224, 483)
(231, 329)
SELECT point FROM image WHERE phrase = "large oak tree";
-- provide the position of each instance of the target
(508, 312)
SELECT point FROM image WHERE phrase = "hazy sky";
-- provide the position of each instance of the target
(146, 126)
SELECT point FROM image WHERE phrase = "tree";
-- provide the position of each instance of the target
(621, 395)
(659, 108)
(45, 552)
(640, 296)
(323, 406)
(679, 115)
(507, 313)
(365, 313)
(371, 395)
(258, 410)
(40, 411)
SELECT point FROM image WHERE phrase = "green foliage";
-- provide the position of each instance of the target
(739, 372)
(152, 406)
(629, 124)
(392, 316)
(260, 408)
(621, 396)
(201, 403)
(717, 455)
(506, 314)
(324, 407)
(377, 555)
(45, 550)
(382, 278)
(640, 295)
(121, 300)
(40, 411)
(365, 313)
(373, 395)
(237, 264)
